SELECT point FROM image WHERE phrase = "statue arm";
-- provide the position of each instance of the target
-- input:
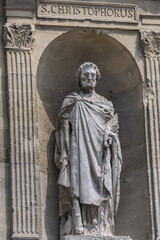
(111, 129)
(62, 144)
(112, 144)
(62, 153)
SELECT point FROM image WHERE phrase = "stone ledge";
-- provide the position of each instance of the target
(79, 237)
(23, 236)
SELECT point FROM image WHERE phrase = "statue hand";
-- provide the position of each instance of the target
(65, 162)
(107, 140)
(64, 159)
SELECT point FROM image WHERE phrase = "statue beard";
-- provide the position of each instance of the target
(88, 87)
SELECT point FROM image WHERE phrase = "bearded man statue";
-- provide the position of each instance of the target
(88, 155)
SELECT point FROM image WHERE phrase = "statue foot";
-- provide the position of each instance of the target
(79, 231)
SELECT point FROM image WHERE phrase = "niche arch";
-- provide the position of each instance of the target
(120, 83)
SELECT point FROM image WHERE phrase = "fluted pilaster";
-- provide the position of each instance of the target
(23, 132)
(151, 45)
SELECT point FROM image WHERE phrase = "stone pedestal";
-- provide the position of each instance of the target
(76, 237)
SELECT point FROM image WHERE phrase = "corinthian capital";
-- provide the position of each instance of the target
(150, 42)
(18, 36)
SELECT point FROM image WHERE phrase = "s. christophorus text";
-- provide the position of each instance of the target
(107, 12)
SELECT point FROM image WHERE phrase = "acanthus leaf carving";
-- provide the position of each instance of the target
(151, 42)
(18, 36)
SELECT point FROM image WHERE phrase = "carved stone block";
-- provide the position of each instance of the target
(18, 36)
(78, 237)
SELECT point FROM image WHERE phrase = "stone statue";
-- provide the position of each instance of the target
(88, 155)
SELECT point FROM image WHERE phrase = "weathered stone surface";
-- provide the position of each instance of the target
(90, 11)
(24, 159)
(151, 45)
(91, 200)
(5, 202)
(20, 4)
(18, 36)
(130, 81)
(5, 190)
(124, 90)
(73, 237)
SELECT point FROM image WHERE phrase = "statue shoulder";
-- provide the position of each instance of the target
(70, 97)
(68, 102)
(104, 100)
(108, 104)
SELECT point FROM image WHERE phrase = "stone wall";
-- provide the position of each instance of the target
(130, 79)
(5, 204)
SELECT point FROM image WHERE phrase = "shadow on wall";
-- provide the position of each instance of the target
(120, 83)
(51, 211)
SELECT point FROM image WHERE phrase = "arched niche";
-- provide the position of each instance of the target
(120, 83)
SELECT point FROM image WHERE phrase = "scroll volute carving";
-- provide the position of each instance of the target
(18, 36)
(151, 42)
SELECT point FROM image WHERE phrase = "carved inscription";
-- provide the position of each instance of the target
(93, 12)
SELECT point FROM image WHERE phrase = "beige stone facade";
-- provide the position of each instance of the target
(43, 44)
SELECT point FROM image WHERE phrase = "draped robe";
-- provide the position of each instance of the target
(89, 166)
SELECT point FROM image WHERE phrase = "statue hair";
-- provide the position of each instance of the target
(85, 65)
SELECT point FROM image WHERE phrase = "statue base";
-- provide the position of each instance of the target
(80, 237)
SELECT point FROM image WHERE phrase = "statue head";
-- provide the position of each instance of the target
(87, 76)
